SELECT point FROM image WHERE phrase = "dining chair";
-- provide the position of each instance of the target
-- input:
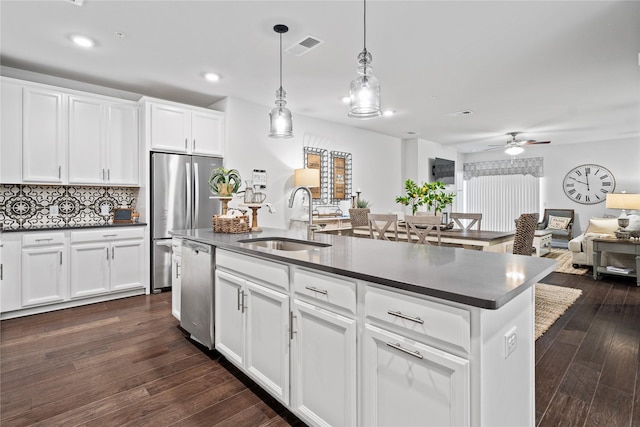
(475, 218)
(526, 226)
(421, 226)
(380, 223)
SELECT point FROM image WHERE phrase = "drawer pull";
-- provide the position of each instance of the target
(109, 235)
(43, 240)
(397, 346)
(314, 289)
(404, 316)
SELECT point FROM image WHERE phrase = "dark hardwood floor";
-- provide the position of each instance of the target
(127, 362)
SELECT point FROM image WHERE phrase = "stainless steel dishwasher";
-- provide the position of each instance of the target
(196, 306)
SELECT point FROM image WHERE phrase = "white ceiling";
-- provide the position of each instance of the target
(565, 71)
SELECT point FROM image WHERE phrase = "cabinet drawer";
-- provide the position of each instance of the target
(418, 318)
(43, 239)
(107, 234)
(258, 269)
(325, 288)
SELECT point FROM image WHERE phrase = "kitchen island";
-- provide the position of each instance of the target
(368, 332)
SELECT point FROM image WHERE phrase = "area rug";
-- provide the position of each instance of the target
(563, 256)
(551, 303)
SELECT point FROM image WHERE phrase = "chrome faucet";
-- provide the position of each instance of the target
(310, 226)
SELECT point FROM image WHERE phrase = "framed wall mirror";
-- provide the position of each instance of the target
(317, 158)
(340, 176)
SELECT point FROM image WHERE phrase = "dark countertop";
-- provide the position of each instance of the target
(475, 278)
(72, 227)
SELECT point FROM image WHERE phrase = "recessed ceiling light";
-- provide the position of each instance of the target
(388, 113)
(120, 34)
(212, 77)
(345, 99)
(82, 41)
(410, 132)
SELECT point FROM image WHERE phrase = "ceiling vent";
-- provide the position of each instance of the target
(305, 45)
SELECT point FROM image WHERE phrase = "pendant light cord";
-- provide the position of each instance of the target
(280, 60)
(365, 25)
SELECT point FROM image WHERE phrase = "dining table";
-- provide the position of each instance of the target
(485, 240)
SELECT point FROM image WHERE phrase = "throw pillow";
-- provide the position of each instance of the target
(602, 225)
(558, 222)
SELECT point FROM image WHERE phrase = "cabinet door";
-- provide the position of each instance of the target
(44, 275)
(169, 128)
(176, 285)
(123, 144)
(86, 133)
(207, 132)
(89, 269)
(43, 148)
(406, 383)
(229, 317)
(323, 366)
(126, 259)
(267, 339)
(10, 133)
(10, 280)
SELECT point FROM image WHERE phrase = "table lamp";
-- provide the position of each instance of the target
(623, 201)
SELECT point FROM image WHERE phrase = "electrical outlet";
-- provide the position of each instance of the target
(53, 211)
(510, 341)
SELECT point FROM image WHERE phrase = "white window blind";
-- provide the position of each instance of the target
(501, 198)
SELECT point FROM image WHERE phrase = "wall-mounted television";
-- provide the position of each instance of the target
(444, 171)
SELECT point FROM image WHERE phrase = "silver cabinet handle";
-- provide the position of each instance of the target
(404, 316)
(109, 174)
(1, 272)
(242, 305)
(103, 174)
(397, 346)
(107, 253)
(60, 258)
(239, 298)
(109, 235)
(177, 270)
(185, 144)
(291, 317)
(194, 145)
(113, 252)
(60, 172)
(43, 240)
(196, 194)
(314, 289)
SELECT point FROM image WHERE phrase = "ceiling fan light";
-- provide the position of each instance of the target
(514, 150)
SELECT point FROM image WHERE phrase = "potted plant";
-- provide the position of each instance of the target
(430, 194)
(224, 182)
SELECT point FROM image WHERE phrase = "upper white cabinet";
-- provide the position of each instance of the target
(43, 135)
(10, 133)
(103, 141)
(184, 129)
(52, 135)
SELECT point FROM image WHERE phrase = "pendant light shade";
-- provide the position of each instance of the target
(280, 120)
(364, 92)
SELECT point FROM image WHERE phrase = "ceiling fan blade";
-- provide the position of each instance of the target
(535, 142)
(496, 147)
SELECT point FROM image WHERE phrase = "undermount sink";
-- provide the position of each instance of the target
(285, 244)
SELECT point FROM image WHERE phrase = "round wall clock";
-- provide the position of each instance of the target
(588, 184)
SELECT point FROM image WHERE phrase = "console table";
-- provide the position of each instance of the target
(622, 246)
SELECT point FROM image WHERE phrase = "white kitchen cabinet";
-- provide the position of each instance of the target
(44, 268)
(43, 136)
(10, 274)
(105, 261)
(103, 141)
(184, 129)
(252, 321)
(176, 276)
(10, 133)
(407, 383)
(323, 364)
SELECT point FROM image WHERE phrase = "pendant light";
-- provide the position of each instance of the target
(281, 125)
(364, 92)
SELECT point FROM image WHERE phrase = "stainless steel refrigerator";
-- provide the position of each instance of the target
(180, 200)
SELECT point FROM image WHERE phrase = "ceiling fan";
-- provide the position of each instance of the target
(514, 146)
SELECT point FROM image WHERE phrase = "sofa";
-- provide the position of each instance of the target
(581, 247)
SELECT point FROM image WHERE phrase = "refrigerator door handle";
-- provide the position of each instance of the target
(196, 195)
(188, 184)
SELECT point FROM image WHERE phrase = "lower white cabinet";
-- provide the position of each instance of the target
(323, 365)
(252, 324)
(10, 272)
(406, 383)
(176, 276)
(44, 268)
(105, 261)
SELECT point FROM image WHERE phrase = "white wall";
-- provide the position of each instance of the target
(621, 157)
(375, 157)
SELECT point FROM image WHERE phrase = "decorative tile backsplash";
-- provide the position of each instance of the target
(26, 206)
